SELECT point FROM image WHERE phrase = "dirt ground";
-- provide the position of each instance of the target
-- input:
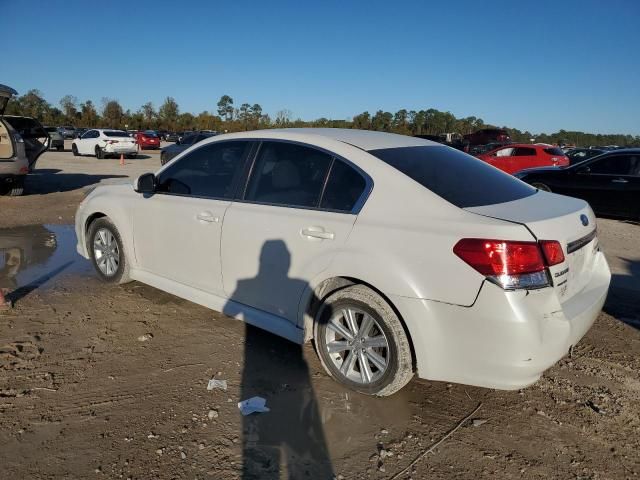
(111, 381)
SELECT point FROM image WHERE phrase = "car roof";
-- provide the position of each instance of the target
(363, 139)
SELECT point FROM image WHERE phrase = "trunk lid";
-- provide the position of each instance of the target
(5, 95)
(555, 217)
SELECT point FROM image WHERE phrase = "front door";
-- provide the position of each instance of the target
(177, 230)
(288, 227)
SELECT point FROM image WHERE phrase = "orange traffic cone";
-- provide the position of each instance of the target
(122, 159)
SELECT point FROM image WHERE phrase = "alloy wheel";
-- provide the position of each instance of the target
(106, 252)
(357, 346)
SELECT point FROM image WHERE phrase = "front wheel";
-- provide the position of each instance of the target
(74, 150)
(107, 252)
(541, 186)
(362, 343)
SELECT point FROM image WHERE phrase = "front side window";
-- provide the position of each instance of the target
(288, 174)
(344, 187)
(460, 179)
(211, 171)
(613, 165)
(504, 152)
(91, 134)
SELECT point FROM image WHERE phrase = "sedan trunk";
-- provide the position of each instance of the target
(553, 217)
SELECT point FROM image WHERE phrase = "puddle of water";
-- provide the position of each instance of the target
(32, 256)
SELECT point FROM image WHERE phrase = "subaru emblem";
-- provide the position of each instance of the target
(584, 219)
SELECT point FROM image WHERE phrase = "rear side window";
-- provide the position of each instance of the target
(460, 179)
(344, 188)
(288, 174)
(554, 151)
(211, 171)
(524, 152)
(616, 165)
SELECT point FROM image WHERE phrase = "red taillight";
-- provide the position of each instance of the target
(552, 250)
(511, 264)
(500, 257)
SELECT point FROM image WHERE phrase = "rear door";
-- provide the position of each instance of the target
(524, 157)
(86, 144)
(287, 228)
(608, 182)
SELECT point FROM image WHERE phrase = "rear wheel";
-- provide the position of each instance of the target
(99, 153)
(541, 186)
(362, 343)
(132, 155)
(74, 150)
(17, 188)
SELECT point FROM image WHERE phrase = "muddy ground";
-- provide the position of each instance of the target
(111, 382)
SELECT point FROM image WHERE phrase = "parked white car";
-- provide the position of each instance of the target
(102, 142)
(395, 254)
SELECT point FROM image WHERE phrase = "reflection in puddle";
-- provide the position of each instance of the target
(32, 255)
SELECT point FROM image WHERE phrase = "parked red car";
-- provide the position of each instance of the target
(147, 139)
(516, 156)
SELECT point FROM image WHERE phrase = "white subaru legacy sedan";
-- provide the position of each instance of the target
(393, 254)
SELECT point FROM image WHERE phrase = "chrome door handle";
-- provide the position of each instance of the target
(207, 217)
(619, 180)
(317, 232)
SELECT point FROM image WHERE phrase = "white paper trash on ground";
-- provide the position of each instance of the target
(253, 405)
(213, 383)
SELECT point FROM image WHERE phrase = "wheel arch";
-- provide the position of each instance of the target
(315, 297)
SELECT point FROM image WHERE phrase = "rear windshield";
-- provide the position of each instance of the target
(116, 133)
(150, 134)
(460, 179)
(554, 151)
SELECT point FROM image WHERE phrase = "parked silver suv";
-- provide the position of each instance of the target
(22, 141)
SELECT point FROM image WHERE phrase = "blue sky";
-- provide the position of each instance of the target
(534, 65)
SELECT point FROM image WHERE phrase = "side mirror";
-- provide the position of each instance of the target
(145, 183)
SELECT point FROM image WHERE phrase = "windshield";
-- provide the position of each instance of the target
(116, 133)
(460, 179)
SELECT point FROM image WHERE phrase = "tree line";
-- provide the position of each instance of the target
(230, 117)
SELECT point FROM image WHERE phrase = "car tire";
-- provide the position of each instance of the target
(541, 186)
(60, 148)
(99, 153)
(380, 369)
(132, 155)
(74, 150)
(107, 253)
(17, 188)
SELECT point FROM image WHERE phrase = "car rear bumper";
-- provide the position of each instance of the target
(505, 340)
(119, 149)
